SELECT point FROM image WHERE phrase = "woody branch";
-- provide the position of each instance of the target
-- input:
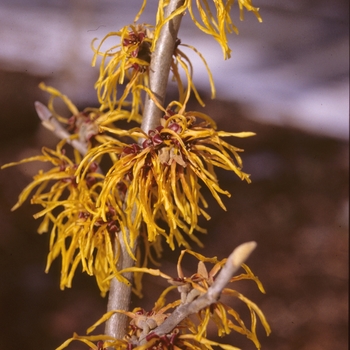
(119, 294)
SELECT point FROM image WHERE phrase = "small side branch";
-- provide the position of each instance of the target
(233, 263)
(50, 123)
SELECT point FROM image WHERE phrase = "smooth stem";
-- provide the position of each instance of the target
(160, 67)
(120, 293)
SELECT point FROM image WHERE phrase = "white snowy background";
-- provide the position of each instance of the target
(292, 69)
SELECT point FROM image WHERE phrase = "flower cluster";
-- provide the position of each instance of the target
(198, 284)
(216, 23)
(163, 176)
(130, 60)
(78, 235)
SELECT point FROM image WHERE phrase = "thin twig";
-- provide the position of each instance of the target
(52, 124)
(233, 263)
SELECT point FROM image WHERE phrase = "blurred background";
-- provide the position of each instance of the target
(287, 80)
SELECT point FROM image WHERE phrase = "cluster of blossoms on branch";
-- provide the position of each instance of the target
(126, 185)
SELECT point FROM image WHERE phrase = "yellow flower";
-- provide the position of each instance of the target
(85, 125)
(180, 58)
(162, 177)
(78, 234)
(224, 316)
(217, 24)
(129, 59)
